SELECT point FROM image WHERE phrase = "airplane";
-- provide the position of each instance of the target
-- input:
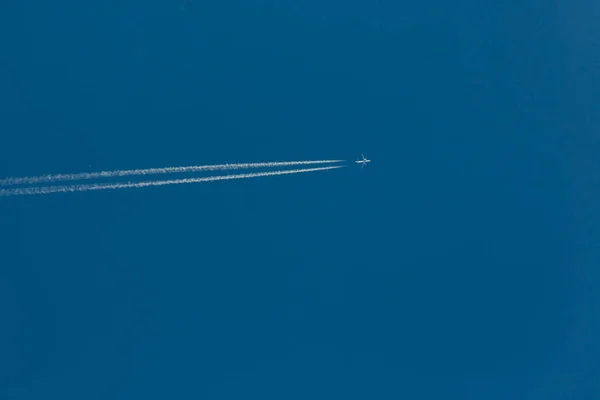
(364, 161)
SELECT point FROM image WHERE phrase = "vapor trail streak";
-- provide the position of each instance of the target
(155, 171)
(127, 185)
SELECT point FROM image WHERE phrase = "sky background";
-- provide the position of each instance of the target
(462, 263)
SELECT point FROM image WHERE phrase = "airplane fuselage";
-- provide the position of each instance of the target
(364, 161)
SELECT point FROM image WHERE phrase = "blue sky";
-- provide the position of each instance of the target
(461, 264)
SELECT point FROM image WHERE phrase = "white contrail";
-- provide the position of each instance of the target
(127, 185)
(155, 171)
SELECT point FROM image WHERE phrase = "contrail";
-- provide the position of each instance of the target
(155, 171)
(127, 185)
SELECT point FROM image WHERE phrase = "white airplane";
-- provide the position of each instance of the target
(364, 161)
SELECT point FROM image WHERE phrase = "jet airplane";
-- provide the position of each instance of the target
(364, 161)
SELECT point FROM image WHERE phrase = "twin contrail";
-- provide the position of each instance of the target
(155, 171)
(125, 185)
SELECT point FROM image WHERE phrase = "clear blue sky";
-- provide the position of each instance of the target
(463, 263)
